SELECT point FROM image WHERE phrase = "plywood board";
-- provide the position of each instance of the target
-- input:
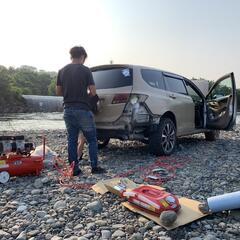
(188, 213)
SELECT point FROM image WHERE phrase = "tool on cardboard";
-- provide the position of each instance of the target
(152, 200)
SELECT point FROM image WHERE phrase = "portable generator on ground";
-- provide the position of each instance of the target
(152, 200)
(16, 159)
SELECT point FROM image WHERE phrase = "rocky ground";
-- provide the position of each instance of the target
(38, 207)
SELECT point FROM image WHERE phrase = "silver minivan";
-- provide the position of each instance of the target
(156, 107)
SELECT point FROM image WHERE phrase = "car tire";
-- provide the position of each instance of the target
(163, 140)
(212, 135)
(103, 143)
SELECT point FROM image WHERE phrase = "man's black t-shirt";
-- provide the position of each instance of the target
(75, 79)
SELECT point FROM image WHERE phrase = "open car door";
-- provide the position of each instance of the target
(221, 104)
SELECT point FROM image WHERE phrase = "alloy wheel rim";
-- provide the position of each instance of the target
(168, 138)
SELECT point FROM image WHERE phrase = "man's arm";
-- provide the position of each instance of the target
(91, 84)
(59, 90)
(92, 90)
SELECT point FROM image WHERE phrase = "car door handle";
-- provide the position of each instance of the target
(172, 96)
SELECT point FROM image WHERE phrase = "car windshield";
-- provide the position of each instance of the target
(112, 78)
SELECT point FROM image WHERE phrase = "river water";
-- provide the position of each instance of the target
(37, 121)
(31, 121)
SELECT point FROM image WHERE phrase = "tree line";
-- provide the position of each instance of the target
(27, 80)
(15, 82)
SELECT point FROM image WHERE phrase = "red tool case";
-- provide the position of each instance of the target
(152, 200)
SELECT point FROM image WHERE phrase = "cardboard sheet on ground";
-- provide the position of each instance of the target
(189, 208)
(105, 186)
(188, 213)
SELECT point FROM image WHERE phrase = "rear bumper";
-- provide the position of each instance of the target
(125, 130)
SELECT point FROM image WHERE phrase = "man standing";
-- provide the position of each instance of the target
(75, 83)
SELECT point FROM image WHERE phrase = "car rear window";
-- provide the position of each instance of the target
(112, 78)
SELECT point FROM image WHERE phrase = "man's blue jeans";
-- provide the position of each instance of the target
(77, 120)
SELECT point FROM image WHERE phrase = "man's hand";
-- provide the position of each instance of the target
(59, 90)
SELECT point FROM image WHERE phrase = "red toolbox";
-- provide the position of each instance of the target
(152, 200)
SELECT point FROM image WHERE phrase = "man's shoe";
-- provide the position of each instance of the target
(77, 172)
(98, 170)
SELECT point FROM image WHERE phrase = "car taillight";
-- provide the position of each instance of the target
(120, 98)
(137, 98)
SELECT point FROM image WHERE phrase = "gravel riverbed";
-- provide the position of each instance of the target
(38, 207)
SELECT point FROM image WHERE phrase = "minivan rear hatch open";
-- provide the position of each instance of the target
(114, 85)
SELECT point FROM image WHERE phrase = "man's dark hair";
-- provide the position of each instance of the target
(77, 52)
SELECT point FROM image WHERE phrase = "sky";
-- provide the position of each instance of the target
(189, 37)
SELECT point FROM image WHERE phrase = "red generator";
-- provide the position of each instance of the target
(152, 200)
(19, 165)
(16, 158)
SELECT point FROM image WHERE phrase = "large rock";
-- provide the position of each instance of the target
(45, 180)
(143, 220)
(38, 183)
(83, 238)
(59, 205)
(4, 234)
(210, 237)
(91, 225)
(22, 208)
(41, 214)
(56, 238)
(78, 227)
(36, 191)
(106, 234)
(9, 192)
(130, 229)
(118, 233)
(22, 236)
(95, 207)
(136, 236)
(167, 218)
(117, 226)
(50, 221)
(101, 223)
(72, 238)
(149, 225)
(157, 228)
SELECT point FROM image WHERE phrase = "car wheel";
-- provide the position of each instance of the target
(103, 143)
(163, 140)
(212, 135)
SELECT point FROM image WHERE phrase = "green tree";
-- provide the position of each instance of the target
(52, 87)
(15, 82)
